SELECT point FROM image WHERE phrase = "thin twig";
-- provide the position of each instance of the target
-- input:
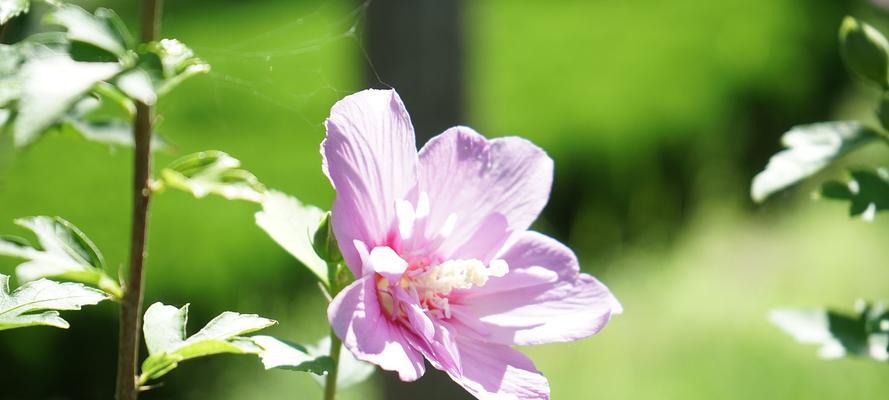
(334, 271)
(131, 304)
(330, 382)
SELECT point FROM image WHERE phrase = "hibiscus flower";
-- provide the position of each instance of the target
(446, 269)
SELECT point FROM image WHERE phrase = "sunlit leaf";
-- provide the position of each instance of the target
(277, 353)
(50, 85)
(9, 9)
(809, 148)
(64, 253)
(138, 85)
(101, 30)
(865, 334)
(352, 371)
(106, 130)
(10, 86)
(867, 192)
(38, 302)
(213, 172)
(168, 63)
(165, 337)
(292, 225)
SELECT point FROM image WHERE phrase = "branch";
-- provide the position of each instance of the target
(131, 304)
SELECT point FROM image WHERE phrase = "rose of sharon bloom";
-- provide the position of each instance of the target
(446, 267)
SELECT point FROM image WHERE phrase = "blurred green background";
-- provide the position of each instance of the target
(657, 113)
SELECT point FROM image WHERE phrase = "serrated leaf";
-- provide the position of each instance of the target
(809, 148)
(352, 371)
(865, 334)
(213, 172)
(38, 302)
(292, 225)
(50, 85)
(9, 9)
(279, 354)
(164, 329)
(65, 253)
(867, 192)
(178, 63)
(97, 30)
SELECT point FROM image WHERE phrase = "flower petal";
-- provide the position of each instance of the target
(476, 180)
(386, 262)
(356, 318)
(498, 372)
(370, 156)
(543, 299)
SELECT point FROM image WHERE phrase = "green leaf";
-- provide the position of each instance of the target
(36, 303)
(352, 371)
(164, 330)
(865, 334)
(110, 131)
(277, 353)
(168, 63)
(50, 85)
(865, 51)
(867, 192)
(809, 148)
(65, 253)
(292, 225)
(137, 84)
(213, 172)
(9, 9)
(101, 30)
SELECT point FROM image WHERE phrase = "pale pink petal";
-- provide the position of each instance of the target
(469, 178)
(543, 299)
(384, 261)
(370, 156)
(441, 349)
(357, 319)
(420, 323)
(498, 372)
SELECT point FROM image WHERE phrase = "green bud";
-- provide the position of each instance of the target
(865, 51)
(324, 242)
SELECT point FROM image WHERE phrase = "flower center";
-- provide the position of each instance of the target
(431, 286)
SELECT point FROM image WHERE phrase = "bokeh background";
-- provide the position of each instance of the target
(657, 113)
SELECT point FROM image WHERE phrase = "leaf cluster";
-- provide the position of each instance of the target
(86, 77)
(809, 149)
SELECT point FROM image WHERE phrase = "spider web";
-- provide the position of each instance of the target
(258, 67)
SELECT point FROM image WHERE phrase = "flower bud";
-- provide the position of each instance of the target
(865, 51)
(324, 242)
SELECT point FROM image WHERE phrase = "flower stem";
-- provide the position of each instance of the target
(330, 383)
(334, 285)
(131, 303)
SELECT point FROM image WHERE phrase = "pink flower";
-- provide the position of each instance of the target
(446, 267)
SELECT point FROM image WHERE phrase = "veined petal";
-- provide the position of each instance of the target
(386, 262)
(479, 180)
(498, 372)
(357, 319)
(543, 299)
(370, 156)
